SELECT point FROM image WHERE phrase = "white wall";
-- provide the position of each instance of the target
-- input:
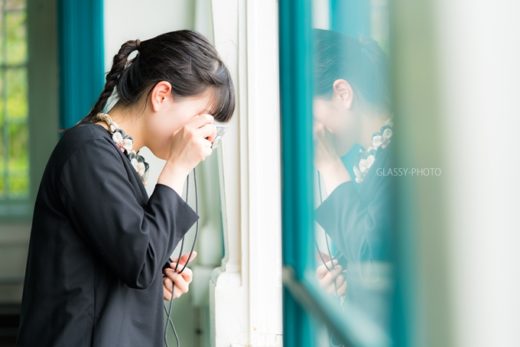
(479, 55)
(137, 19)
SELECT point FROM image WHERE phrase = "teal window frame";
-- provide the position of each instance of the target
(304, 303)
(356, 25)
(81, 57)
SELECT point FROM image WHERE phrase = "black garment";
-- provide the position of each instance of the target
(359, 220)
(358, 217)
(97, 249)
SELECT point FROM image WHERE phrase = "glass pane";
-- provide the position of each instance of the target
(16, 83)
(15, 4)
(18, 184)
(2, 148)
(2, 163)
(353, 139)
(16, 37)
(2, 36)
(18, 166)
(2, 104)
(3, 129)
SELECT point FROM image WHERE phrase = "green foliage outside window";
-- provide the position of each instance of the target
(14, 134)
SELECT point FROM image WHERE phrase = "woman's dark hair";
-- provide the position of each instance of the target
(184, 58)
(361, 62)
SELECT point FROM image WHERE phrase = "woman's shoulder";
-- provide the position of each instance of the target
(84, 132)
(82, 135)
(81, 148)
(86, 139)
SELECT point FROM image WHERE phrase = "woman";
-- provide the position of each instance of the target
(98, 244)
(353, 132)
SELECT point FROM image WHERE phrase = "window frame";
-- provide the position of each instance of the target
(14, 208)
(70, 62)
(81, 57)
(305, 303)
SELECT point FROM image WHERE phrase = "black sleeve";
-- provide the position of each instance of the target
(135, 241)
(352, 222)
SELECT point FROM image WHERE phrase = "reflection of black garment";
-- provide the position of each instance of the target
(97, 248)
(357, 217)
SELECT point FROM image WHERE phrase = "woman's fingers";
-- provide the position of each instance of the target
(340, 280)
(187, 274)
(208, 132)
(178, 281)
(191, 144)
(201, 120)
(180, 284)
(330, 276)
(318, 126)
(341, 289)
(181, 281)
(324, 268)
(168, 283)
(205, 129)
(167, 289)
(180, 287)
(331, 279)
(185, 258)
(329, 264)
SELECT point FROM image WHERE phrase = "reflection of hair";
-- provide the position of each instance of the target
(359, 61)
(184, 58)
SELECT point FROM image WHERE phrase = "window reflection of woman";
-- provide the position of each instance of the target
(353, 131)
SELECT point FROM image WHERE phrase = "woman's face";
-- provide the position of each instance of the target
(172, 116)
(339, 121)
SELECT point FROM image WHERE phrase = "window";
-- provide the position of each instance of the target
(337, 131)
(14, 133)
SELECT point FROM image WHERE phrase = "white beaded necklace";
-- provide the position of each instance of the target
(380, 140)
(125, 144)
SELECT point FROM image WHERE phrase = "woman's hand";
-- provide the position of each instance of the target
(332, 281)
(325, 154)
(327, 160)
(177, 282)
(190, 145)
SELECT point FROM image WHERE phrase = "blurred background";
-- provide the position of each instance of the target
(290, 252)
